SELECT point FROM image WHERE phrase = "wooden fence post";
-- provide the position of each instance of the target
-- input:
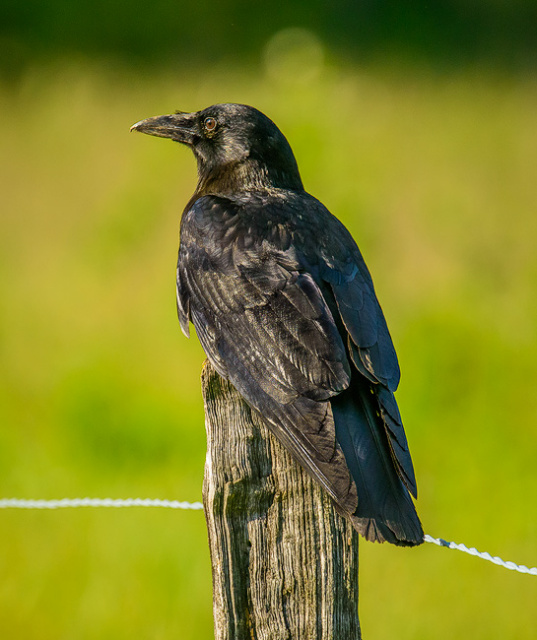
(285, 563)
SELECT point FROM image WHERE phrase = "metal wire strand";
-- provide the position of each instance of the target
(17, 503)
(521, 568)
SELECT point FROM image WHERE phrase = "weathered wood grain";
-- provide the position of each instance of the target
(285, 563)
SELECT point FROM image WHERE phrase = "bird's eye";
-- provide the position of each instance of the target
(209, 124)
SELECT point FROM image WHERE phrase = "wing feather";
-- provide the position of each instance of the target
(281, 310)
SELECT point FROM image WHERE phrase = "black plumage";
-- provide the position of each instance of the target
(285, 309)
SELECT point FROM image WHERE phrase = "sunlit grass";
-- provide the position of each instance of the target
(435, 177)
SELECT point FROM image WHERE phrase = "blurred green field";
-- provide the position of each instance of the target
(435, 175)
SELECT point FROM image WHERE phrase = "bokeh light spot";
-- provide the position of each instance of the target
(294, 55)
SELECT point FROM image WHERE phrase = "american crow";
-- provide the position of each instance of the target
(285, 309)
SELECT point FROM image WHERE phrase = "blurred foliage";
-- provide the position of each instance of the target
(446, 32)
(435, 177)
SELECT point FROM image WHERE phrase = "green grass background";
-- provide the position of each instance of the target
(434, 174)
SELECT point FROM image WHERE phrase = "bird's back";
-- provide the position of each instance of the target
(285, 309)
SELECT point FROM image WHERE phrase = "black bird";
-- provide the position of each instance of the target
(285, 309)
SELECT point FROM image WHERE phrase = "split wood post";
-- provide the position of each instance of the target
(284, 562)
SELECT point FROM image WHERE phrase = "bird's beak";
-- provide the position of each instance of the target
(181, 127)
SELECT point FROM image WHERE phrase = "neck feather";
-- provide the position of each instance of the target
(247, 175)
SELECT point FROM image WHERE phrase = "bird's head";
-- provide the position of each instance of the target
(237, 147)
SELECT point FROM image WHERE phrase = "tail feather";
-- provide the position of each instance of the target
(376, 531)
(379, 464)
(396, 437)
